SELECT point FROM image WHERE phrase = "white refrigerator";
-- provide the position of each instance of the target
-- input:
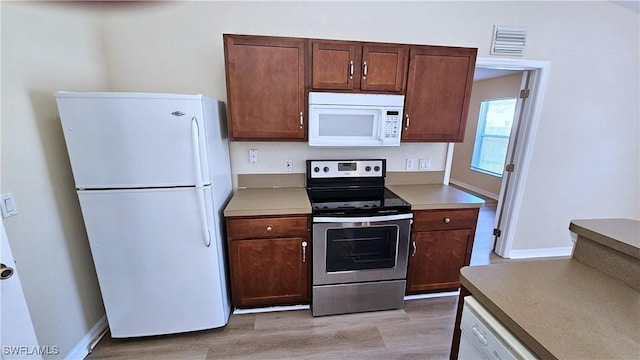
(152, 174)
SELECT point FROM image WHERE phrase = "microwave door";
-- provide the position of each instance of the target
(345, 126)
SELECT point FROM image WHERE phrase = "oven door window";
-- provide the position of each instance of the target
(361, 248)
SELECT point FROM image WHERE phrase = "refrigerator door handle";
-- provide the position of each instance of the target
(199, 184)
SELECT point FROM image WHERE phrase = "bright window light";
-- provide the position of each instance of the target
(492, 137)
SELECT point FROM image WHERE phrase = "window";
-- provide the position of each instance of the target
(492, 136)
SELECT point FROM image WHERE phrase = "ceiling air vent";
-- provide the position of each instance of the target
(508, 40)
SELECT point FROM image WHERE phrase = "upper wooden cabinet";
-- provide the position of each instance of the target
(268, 80)
(353, 66)
(265, 87)
(438, 93)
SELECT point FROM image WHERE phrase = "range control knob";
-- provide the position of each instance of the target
(326, 169)
(368, 168)
(316, 169)
(376, 168)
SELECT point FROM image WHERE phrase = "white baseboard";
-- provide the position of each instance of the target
(541, 253)
(307, 307)
(89, 341)
(486, 193)
(270, 309)
(432, 295)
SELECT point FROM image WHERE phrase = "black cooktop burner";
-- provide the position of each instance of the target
(356, 201)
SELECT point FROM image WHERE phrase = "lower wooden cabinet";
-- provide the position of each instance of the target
(270, 260)
(441, 243)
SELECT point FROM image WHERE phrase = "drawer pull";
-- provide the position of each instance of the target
(304, 251)
(446, 220)
(269, 228)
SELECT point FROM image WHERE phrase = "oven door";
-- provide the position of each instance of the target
(360, 249)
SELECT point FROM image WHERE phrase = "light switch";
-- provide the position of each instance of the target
(8, 205)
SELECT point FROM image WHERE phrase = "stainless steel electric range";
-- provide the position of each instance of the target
(360, 237)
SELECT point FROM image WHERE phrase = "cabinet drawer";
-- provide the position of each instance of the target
(445, 219)
(267, 227)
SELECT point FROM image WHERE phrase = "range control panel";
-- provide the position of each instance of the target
(318, 169)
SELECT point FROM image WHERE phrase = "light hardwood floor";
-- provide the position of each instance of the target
(422, 330)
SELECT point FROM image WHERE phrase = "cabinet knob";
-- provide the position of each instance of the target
(269, 228)
(446, 220)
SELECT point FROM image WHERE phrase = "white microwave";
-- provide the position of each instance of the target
(343, 119)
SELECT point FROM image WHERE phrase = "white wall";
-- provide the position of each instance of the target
(585, 160)
(44, 49)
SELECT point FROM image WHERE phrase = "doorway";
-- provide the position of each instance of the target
(533, 82)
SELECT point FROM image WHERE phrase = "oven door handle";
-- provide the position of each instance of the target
(370, 219)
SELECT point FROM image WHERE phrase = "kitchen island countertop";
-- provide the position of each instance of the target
(565, 308)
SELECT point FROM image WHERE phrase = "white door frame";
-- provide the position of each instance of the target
(512, 200)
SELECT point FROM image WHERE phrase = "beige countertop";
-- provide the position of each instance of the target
(268, 201)
(294, 200)
(622, 235)
(435, 196)
(560, 308)
(586, 307)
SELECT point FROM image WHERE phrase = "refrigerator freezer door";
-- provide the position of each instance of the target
(133, 140)
(156, 274)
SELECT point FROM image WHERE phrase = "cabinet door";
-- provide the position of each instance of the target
(265, 87)
(436, 259)
(384, 68)
(270, 271)
(336, 65)
(438, 92)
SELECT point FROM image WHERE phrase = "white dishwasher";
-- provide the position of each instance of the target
(483, 337)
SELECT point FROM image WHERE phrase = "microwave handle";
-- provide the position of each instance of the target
(406, 126)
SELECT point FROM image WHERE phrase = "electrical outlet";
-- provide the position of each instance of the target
(253, 156)
(409, 164)
(288, 165)
(424, 164)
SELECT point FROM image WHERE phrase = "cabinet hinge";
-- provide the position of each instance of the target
(524, 93)
(497, 232)
(510, 167)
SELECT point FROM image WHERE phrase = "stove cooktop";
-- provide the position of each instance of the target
(351, 187)
(356, 201)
